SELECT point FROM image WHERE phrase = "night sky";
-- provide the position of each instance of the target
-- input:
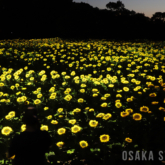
(148, 7)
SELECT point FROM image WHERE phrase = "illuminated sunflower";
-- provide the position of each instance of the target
(129, 110)
(12, 113)
(129, 99)
(54, 122)
(82, 90)
(154, 102)
(20, 99)
(95, 95)
(1, 94)
(93, 123)
(144, 109)
(126, 89)
(152, 95)
(49, 117)
(83, 144)
(66, 92)
(104, 138)
(107, 116)
(37, 101)
(75, 128)
(86, 108)
(83, 85)
(124, 114)
(91, 110)
(100, 115)
(137, 116)
(128, 140)
(104, 105)
(103, 98)
(39, 95)
(94, 90)
(118, 105)
(53, 94)
(118, 95)
(60, 110)
(161, 109)
(80, 100)
(61, 131)
(68, 97)
(73, 121)
(77, 110)
(60, 144)
(6, 130)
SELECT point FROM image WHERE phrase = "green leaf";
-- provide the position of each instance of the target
(95, 149)
(70, 151)
(135, 146)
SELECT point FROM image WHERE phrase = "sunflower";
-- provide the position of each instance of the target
(39, 95)
(82, 90)
(37, 101)
(104, 138)
(104, 105)
(137, 116)
(75, 128)
(60, 110)
(150, 85)
(124, 114)
(94, 90)
(129, 110)
(83, 144)
(72, 73)
(6, 130)
(118, 105)
(61, 131)
(83, 85)
(144, 109)
(60, 144)
(72, 121)
(129, 99)
(54, 122)
(91, 109)
(86, 108)
(154, 102)
(161, 108)
(12, 113)
(100, 115)
(126, 89)
(118, 95)
(93, 123)
(49, 117)
(46, 108)
(53, 94)
(107, 116)
(77, 110)
(152, 95)
(103, 98)
(128, 140)
(20, 99)
(68, 97)
(80, 100)
(12, 87)
(95, 95)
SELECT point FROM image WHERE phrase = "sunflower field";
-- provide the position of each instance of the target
(96, 98)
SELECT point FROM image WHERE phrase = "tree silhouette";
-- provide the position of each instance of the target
(119, 6)
(158, 16)
(60, 18)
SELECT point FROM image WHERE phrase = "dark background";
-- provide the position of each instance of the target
(67, 19)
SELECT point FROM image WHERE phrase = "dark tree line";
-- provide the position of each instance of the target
(68, 19)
